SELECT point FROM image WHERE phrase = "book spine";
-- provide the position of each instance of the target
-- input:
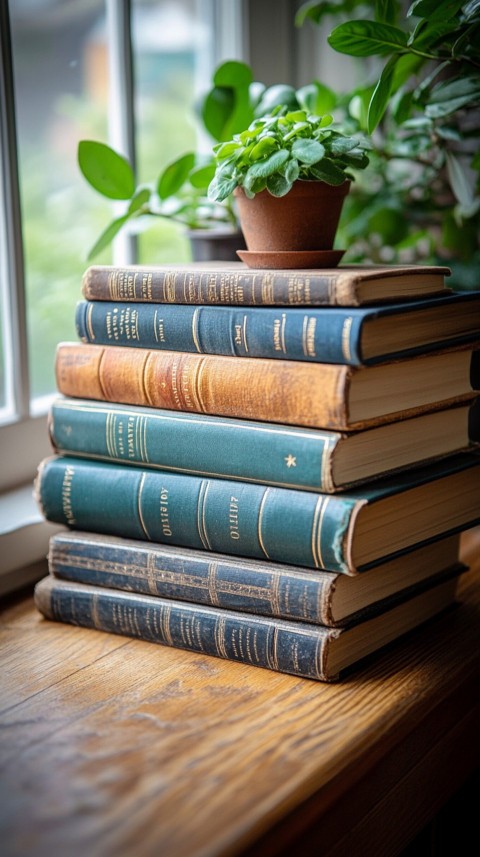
(278, 391)
(243, 519)
(223, 287)
(249, 586)
(289, 647)
(321, 336)
(208, 446)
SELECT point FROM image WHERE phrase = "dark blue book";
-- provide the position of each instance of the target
(338, 335)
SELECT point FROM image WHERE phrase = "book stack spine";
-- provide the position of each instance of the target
(252, 548)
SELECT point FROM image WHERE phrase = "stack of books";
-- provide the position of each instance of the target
(268, 466)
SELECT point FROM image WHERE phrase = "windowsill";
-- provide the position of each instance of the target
(24, 537)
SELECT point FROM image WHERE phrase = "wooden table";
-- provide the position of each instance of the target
(117, 747)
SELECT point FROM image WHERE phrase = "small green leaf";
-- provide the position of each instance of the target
(308, 151)
(456, 88)
(107, 171)
(175, 175)
(279, 95)
(263, 148)
(466, 39)
(292, 171)
(265, 168)
(220, 187)
(279, 185)
(107, 236)
(317, 98)
(140, 199)
(201, 177)
(381, 95)
(432, 34)
(367, 38)
(340, 145)
(328, 172)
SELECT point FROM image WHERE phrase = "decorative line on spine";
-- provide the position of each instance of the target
(260, 519)
(202, 532)
(346, 345)
(139, 506)
(91, 332)
(316, 515)
(220, 637)
(151, 573)
(155, 325)
(212, 588)
(196, 339)
(282, 333)
(165, 623)
(319, 532)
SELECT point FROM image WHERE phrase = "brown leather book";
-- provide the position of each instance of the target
(280, 391)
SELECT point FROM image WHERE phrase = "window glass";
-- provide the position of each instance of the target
(173, 63)
(60, 71)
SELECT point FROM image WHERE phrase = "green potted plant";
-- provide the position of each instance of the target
(290, 172)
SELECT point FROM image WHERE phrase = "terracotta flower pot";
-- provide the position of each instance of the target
(306, 218)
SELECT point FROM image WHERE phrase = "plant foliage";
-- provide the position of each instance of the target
(420, 198)
(278, 149)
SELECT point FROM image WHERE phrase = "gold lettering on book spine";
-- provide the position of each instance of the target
(165, 616)
(275, 594)
(152, 573)
(169, 285)
(212, 583)
(220, 643)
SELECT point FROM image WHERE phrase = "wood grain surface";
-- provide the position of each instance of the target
(112, 746)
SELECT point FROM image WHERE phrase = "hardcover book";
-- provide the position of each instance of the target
(320, 395)
(311, 651)
(344, 533)
(265, 588)
(330, 335)
(236, 284)
(261, 452)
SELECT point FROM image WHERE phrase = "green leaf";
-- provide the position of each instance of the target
(263, 148)
(201, 177)
(435, 9)
(308, 151)
(292, 171)
(107, 236)
(220, 187)
(403, 108)
(265, 168)
(140, 199)
(460, 184)
(381, 95)
(281, 94)
(317, 98)
(278, 185)
(328, 172)
(468, 37)
(233, 74)
(175, 175)
(456, 88)
(386, 11)
(340, 145)
(216, 110)
(107, 171)
(432, 34)
(367, 38)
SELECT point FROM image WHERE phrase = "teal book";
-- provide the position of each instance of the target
(354, 337)
(249, 585)
(267, 453)
(298, 648)
(343, 533)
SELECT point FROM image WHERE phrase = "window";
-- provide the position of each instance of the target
(64, 76)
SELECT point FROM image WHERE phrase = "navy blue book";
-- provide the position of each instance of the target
(348, 336)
